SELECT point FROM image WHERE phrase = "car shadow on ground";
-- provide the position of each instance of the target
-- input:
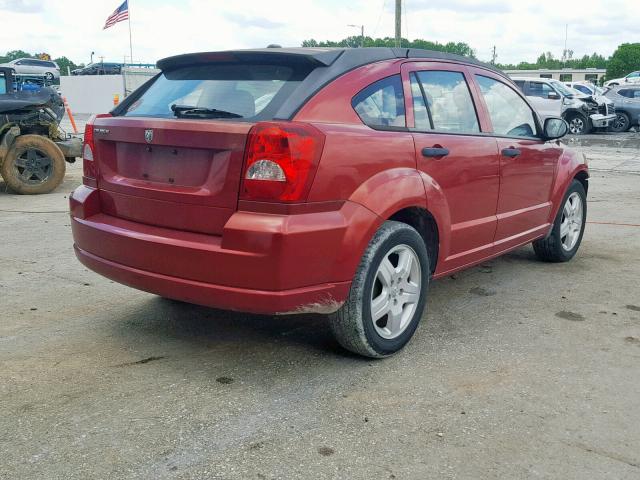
(161, 326)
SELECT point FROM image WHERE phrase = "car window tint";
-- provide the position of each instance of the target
(509, 113)
(582, 89)
(633, 75)
(539, 89)
(625, 93)
(520, 84)
(3, 84)
(381, 104)
(449, 102)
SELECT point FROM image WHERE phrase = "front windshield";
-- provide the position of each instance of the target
(563, 89)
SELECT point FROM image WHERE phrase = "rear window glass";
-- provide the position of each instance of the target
(225, 92)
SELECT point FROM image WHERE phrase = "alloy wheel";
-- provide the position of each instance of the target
(576, 125)
(396, 291)
(571, 223)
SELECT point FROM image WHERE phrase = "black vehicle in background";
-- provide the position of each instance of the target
(100, 68)
(33, 149)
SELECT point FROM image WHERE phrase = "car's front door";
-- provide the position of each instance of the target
(456, 157)
(527, 163)
(546, 101)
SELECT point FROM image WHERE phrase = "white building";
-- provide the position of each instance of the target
(563, 74)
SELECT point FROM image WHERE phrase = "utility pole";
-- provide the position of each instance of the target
(494, 56)
(398, 23)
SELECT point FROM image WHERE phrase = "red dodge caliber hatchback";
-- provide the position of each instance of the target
(336, 181)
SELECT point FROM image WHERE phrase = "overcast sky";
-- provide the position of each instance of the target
(520, 30)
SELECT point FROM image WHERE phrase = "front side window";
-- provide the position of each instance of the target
(539, 89)
(381, 104)
(444, 103)
(634, 75)
(509, 113)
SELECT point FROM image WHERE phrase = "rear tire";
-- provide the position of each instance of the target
(387, 299)
(33, 165)
(566, 234)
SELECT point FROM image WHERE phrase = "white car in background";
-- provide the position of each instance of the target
(35, 67)
(552, 98)
(633, 77)
(585, 87)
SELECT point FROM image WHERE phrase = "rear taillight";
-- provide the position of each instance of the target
(89, 166)
(281, 159)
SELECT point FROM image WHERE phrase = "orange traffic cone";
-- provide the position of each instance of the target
(73, 122)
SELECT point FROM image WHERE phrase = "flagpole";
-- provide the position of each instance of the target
(129, 19)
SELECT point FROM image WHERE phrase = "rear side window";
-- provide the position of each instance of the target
(381, 104)
(510, 114)
(442, 102)
(239, 92)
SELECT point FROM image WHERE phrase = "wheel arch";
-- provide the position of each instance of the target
(425, 223)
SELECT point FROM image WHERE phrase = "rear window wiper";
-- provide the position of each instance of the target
(182, 111)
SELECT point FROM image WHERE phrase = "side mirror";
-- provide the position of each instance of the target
(555, 128)
(553, 96)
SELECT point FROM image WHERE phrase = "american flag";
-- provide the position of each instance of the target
(121, 14)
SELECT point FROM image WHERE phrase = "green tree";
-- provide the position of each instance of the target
(459, 48)
(13, 54)
(624, 60)
(65, 65)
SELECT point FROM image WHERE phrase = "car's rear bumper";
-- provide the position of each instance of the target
(263, 263)
(314, 299)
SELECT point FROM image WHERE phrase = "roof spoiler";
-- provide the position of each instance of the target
(320, 57)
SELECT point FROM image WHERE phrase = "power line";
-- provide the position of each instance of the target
(375, 30)
(406, 23)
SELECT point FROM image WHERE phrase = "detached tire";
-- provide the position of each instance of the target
(33, 165)
(566, 235)
(388, 294)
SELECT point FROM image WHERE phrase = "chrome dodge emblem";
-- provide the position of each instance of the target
(148, 136)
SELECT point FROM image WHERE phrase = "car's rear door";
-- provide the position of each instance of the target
(452, 150)
(527, 163)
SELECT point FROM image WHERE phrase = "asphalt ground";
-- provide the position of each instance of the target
(519, 369)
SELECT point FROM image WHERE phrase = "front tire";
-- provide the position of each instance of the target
(566, 234)
(578, 124)
(388, 294)
(622, 123)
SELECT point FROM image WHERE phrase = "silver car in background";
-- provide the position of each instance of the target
(626, 99)
(36, 67)
(552, 98)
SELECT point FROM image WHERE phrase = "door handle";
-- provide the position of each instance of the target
(435, 152)
(511, 152)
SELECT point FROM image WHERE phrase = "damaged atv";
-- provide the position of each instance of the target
(33, 149)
